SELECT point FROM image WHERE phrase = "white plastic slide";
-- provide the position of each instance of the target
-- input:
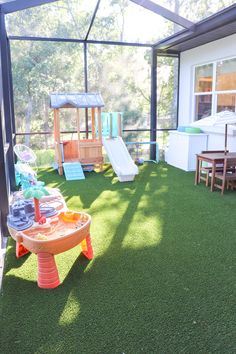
(120, 159)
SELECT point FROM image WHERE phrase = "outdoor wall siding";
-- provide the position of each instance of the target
(220, 49)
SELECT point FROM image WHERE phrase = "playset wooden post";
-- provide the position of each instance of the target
(78, 129)
(100, 136)
(57, 141)
(93, 123)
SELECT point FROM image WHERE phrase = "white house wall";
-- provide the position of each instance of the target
(217, 50)
(220, 49)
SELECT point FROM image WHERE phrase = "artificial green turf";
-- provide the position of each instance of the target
(162, 280)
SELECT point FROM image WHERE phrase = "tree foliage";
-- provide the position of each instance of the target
(121, 74)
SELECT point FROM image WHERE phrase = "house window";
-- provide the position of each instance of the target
(215, 88)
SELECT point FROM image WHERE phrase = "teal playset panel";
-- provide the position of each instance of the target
(109, 118)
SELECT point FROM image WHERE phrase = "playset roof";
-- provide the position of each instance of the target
(77, 100)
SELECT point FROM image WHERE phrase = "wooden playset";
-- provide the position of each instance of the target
(73, 156)
(84, 151)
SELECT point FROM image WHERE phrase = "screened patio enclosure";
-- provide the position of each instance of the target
(130, 51)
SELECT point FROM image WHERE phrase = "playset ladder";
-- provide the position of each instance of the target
(73, 171)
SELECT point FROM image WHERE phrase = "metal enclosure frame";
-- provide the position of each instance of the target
(217, 26)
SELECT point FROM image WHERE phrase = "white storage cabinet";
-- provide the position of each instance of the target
(183, 148)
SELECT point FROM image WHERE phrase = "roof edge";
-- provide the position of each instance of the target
(218, 20)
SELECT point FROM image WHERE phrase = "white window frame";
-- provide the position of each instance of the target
(214, 92)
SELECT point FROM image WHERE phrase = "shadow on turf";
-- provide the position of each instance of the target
(153, 300)
(88, 189)
(11, 255)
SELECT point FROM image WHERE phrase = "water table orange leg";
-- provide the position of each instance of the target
(87, 248)
(48, 277)
(20, 250)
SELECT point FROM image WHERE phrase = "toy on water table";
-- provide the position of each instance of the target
(48, 236)
(36, 193)
(25, 175)
(25, 154)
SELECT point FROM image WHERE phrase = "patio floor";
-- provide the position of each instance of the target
(162, 280)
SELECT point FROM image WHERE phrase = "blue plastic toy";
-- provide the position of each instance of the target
(24, 174)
